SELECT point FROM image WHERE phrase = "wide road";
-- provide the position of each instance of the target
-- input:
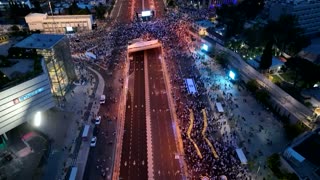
(123, 11)
(134, 146)
(163, 139)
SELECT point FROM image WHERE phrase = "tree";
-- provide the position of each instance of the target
(171, 3)
(100, 11)
(222, 59)
(37, 7)
(286, 34)
(251, 8)
(262, 95)
(252, 85)
(234, 16)
(304, 71)
(266, 58)
(14, 28)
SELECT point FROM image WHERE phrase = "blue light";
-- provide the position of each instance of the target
(204, 47)
(30, 94)
(232, 75)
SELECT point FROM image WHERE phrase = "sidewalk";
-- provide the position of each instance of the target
(64, 125)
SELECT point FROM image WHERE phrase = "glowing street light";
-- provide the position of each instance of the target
(37, 119)
(232, 75)
(205, 47)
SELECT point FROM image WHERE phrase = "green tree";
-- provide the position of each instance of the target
(252, 85)
(37, 7)
(222, 59)
(14, 28)
(304, 71)
(100, 11)
(262, 95)
(266, 58)
(171, 3)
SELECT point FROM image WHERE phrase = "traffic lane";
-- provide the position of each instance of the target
(121, 11)
(164, 145)
(139, 128)
(134, 150)
(124, 172)
(99, 156)
(146, 4)
(159, 7)
(137, 6)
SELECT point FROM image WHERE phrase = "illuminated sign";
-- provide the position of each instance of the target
(69, 29)
(28, 95)
(145, 13)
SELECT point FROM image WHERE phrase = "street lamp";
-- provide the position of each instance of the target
(37, 119)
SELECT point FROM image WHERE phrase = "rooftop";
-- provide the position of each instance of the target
(22, 66)
(312, 52)
(205, 23)
(39, 41)
(310, 148)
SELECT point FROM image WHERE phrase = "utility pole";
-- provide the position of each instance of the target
(54, 24)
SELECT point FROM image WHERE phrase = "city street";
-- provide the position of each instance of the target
(163, 138)
(134, 145)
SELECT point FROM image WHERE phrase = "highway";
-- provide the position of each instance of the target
(134, 146)
(164, 144)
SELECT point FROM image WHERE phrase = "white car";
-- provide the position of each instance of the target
(93, 141)
(98, 120)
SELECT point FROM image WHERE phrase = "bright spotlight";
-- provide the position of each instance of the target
(204, 47)
(37, 119)
(232, 75)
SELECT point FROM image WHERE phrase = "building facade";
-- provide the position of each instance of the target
(306, 11)
(19, 104)
(56, 52)
(59, 24)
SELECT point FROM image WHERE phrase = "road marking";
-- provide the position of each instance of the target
(119, 10)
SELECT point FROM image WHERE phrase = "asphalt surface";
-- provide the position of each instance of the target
(164, 145)
(122, 11)
(134, 145)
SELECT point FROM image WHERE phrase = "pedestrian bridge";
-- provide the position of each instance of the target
(143, 45)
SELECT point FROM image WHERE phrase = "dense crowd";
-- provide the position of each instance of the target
(109, 45)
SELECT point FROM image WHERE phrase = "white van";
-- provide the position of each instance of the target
(103, 99)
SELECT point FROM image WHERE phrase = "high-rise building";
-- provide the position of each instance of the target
(24, 91)
(56, 52)
(306, 11)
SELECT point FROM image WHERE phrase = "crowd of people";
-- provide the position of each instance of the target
(109, 45)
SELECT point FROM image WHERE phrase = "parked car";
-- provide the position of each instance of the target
(98, 120)
(93, 141)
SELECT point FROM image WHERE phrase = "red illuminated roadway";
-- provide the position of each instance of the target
(125, 10)
(122, 11)
(164, 144)
(134, 146)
